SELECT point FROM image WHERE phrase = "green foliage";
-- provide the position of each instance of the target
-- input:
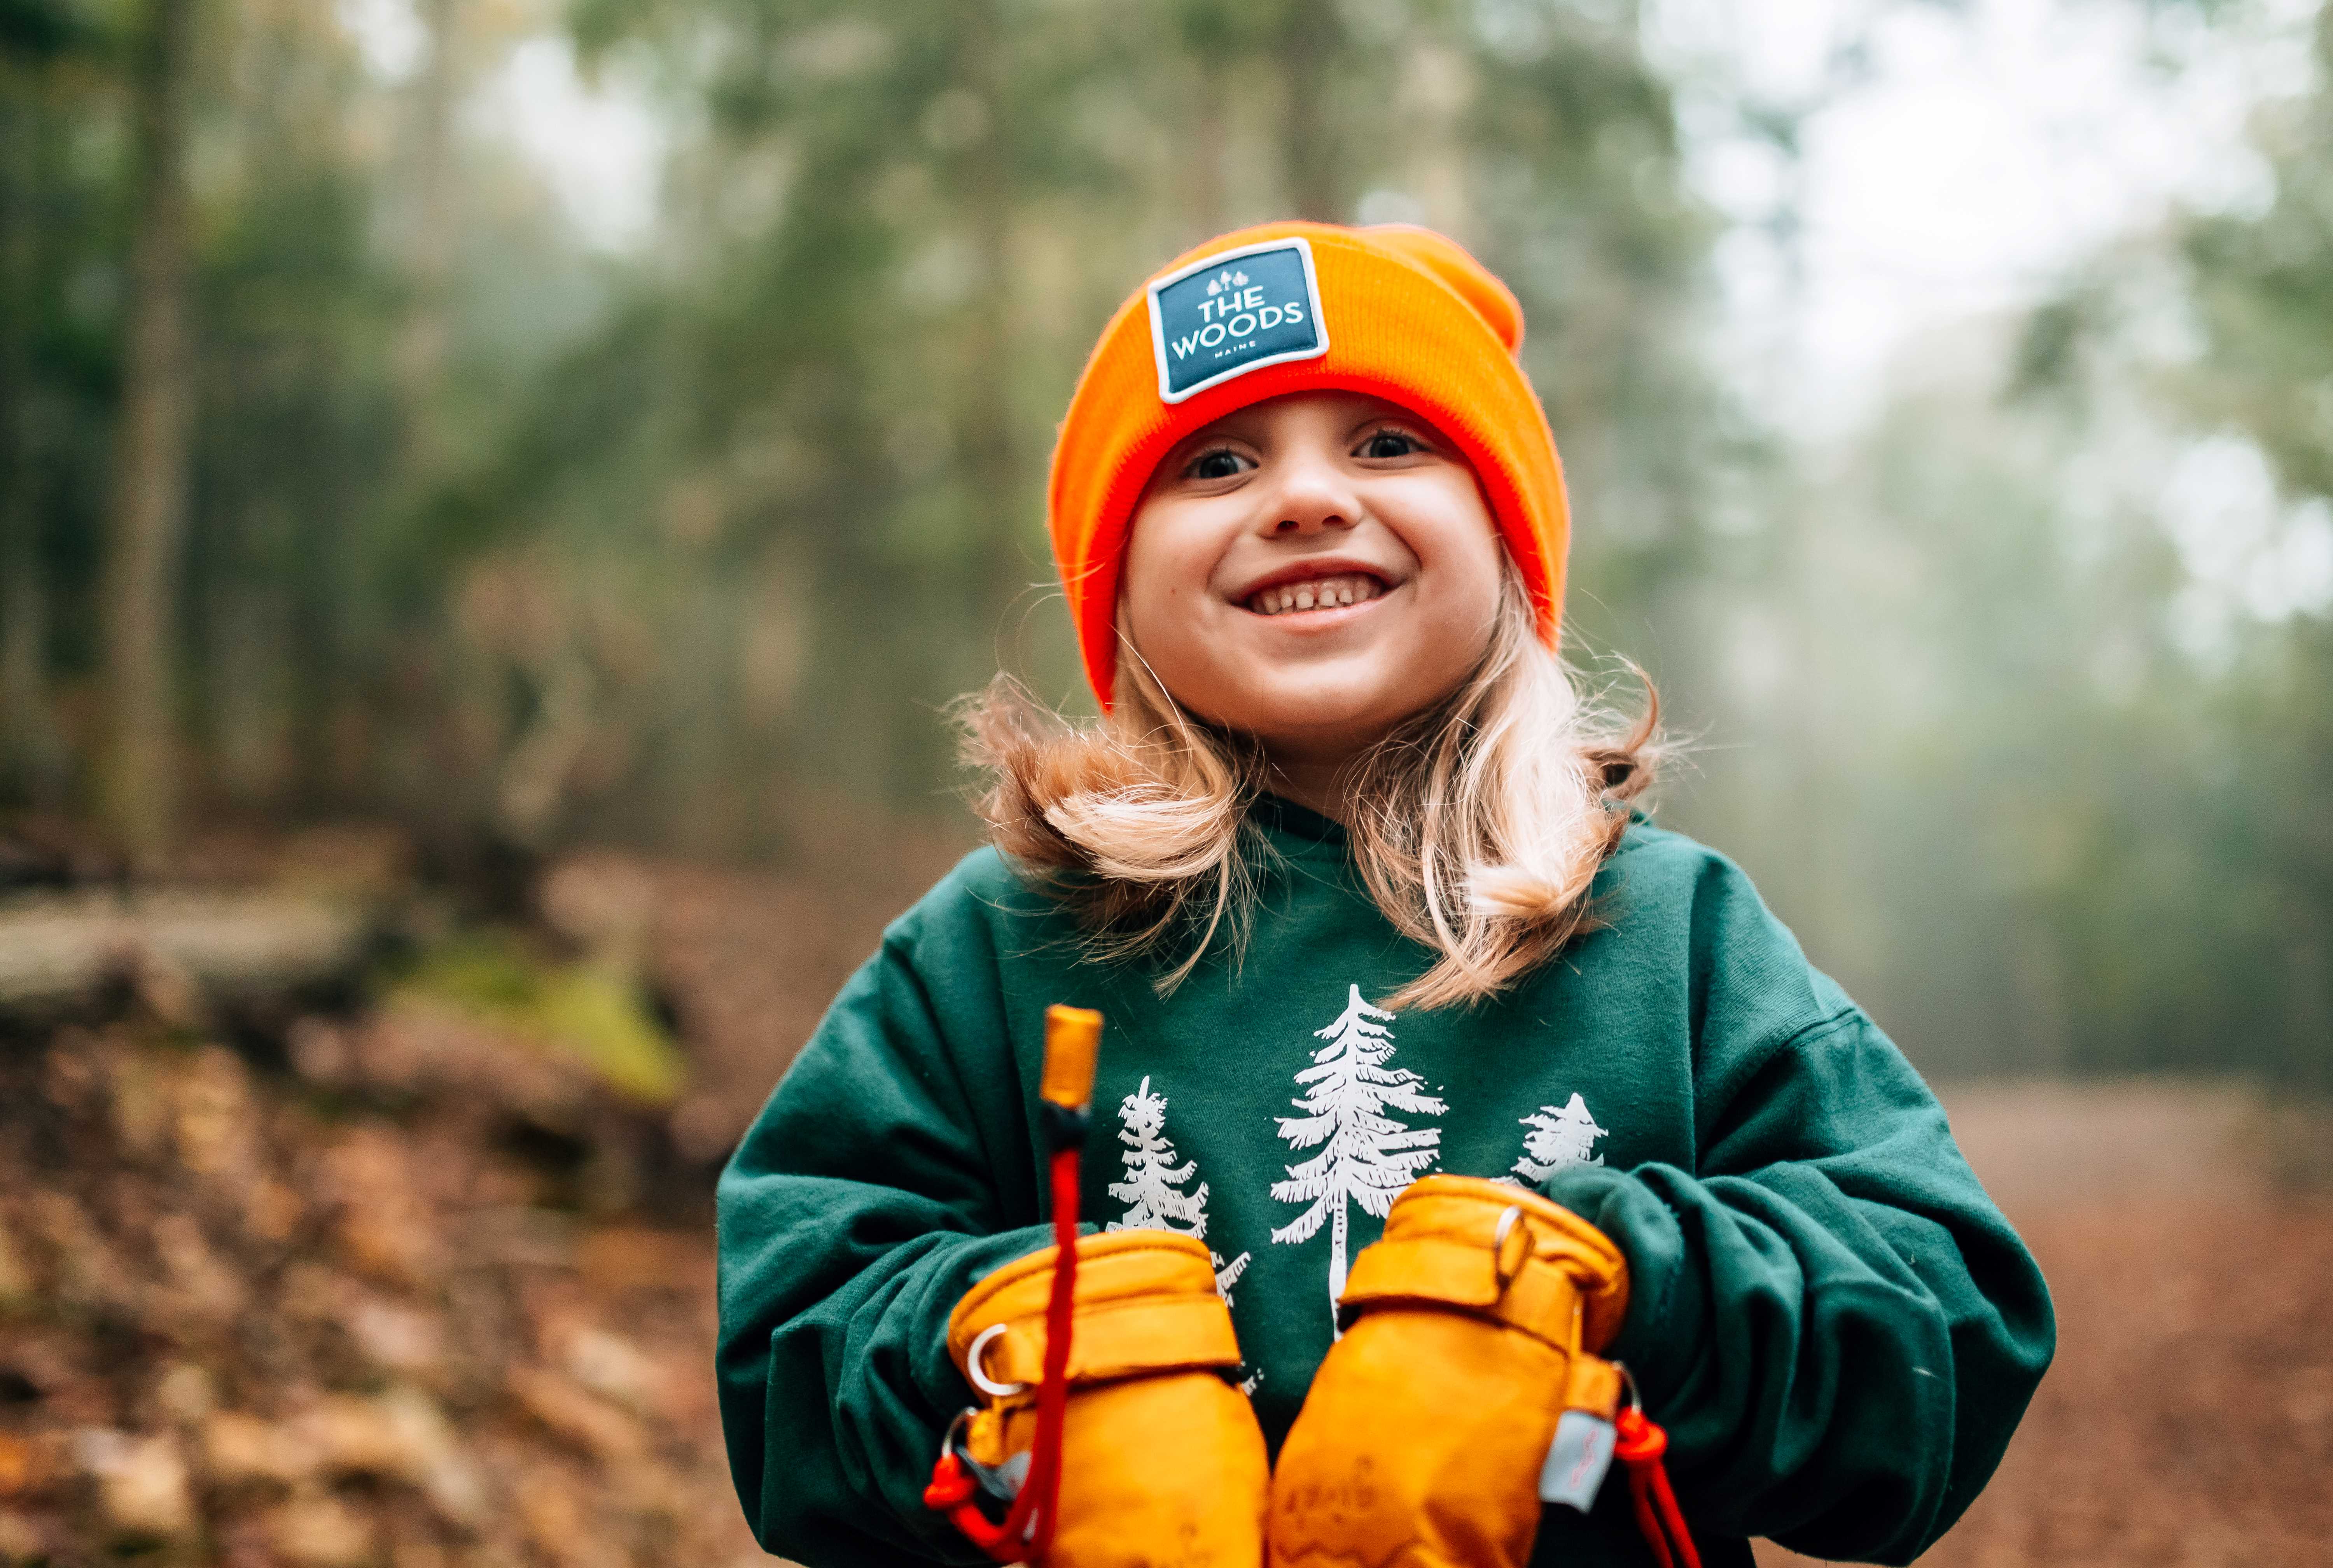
(2264, 291)
(585, 1011)
(898, 234)
(654, 548)
(41, 30)
(526, 544)
(2044, 793)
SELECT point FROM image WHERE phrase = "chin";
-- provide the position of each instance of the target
(1319, 722)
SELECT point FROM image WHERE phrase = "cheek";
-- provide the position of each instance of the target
(1455, 639)
(1486, 582)
(1160, 585)
(1459, 549)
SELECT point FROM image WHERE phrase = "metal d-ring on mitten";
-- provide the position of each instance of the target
(1092, 1358)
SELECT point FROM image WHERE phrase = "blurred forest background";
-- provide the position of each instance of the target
(342, 478)
(471, 686)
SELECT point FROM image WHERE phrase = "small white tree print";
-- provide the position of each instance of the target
(1366, 1157)
(1153, 1188)
(1558, 1138)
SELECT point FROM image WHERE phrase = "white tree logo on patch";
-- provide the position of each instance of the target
(1153, 1188)
(1558, 1138)
(1366, 1157)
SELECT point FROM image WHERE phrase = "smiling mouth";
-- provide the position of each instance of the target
(1322, 593)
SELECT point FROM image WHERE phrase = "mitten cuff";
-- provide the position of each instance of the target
(1499, 1252)
(1146, 1303)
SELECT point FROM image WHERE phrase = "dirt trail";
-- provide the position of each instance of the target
(2189, 1417)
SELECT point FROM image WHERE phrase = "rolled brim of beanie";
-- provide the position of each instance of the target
(1408, 316)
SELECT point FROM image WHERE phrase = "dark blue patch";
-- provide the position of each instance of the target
(1235, 314)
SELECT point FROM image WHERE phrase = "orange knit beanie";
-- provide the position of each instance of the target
(1393, 312)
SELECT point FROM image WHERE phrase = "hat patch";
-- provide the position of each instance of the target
(1234, 312)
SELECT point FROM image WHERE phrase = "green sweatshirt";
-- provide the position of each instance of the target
(1834, 1323)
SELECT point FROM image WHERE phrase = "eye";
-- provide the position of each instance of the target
(1392, 441)
(1217, 462)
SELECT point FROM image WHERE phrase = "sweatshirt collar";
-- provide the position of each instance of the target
(1305, 834)
(1298, 831)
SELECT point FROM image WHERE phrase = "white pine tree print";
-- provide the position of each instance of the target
(1365, 1156)
(1558, 1138)
(1153, 1188)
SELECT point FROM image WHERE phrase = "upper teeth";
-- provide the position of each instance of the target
(1315, 593)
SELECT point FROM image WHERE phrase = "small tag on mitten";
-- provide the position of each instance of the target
(1577, 1460)
(1005, 1479)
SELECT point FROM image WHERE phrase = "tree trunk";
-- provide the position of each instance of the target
(984, 426)
(29, 761)
(1308, 56)
(1339, 1228)
(419, 355)
(1201, 171)
(1436, 87)
(148, 514)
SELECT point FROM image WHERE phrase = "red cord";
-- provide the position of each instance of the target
(1026, 1530)
(1053, 1394)
(1640, 1446)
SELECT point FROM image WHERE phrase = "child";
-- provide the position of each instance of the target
(1357, 887)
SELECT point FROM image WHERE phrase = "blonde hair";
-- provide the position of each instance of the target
(1477, 824)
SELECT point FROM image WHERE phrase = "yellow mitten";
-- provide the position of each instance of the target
(1421, 1441)
(1162, 1461)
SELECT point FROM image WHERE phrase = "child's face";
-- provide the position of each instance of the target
(1313, 569)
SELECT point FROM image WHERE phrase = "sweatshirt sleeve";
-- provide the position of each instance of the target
(1835, 1323)
(886, 1175)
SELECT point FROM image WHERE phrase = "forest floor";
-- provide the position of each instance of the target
(394, 1288)
(2186, 1232)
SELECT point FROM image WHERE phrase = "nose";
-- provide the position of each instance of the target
(1312, 497)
